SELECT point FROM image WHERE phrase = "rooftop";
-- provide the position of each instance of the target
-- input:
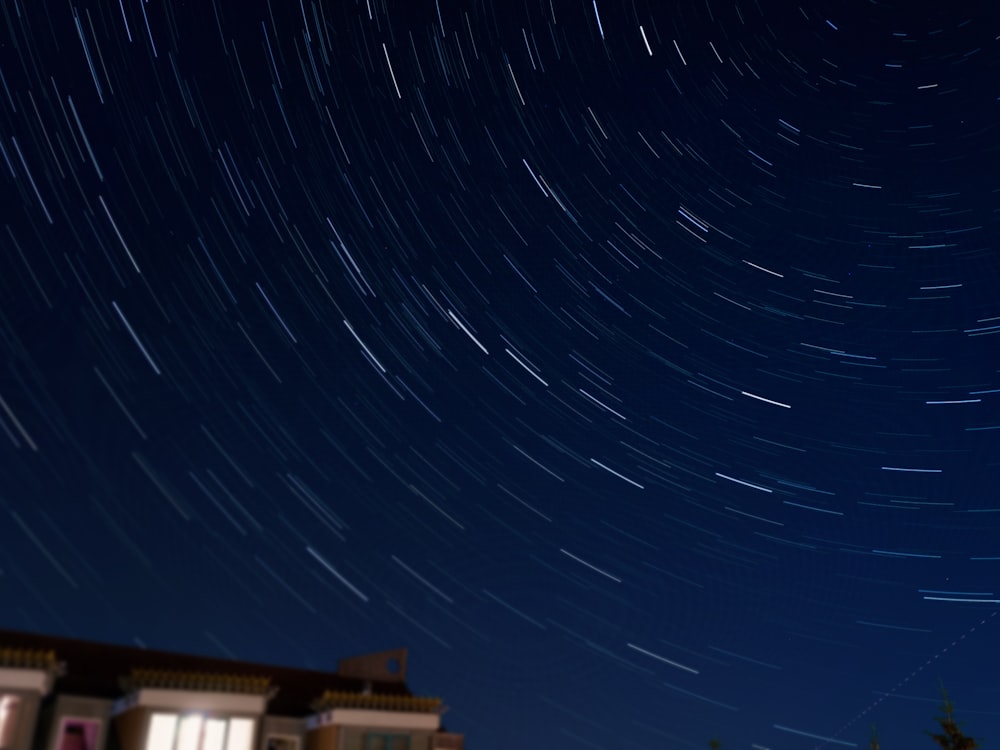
(109, 671)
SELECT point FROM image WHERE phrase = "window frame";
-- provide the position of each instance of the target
(67, 719)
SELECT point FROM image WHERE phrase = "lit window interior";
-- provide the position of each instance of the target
(195, 732)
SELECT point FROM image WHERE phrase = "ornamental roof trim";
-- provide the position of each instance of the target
(28, 658)
(214, 682)
(408, 703)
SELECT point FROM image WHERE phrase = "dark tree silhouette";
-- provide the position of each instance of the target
(951, 736)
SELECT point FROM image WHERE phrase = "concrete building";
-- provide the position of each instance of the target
(64, 694)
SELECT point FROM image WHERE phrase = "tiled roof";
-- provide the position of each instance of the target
(206, 681)
(26, 658)
(339, 699)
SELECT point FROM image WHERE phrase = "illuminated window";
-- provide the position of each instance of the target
(197, 732)
(240, 734)
(189, 733)
(215, 734)
(387, 742)
(162, 728)
(9, 705)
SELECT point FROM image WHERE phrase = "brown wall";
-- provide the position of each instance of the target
(27, 718)
(448, 741)
(375, 666)
(323, 738)
(130, 728)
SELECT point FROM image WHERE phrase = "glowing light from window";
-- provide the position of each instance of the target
(161, 732)
(215, 734)
(189, 734)
(240, 734)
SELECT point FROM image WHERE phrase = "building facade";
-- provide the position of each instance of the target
(64, 694)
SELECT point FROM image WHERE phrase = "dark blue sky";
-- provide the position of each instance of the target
(632, 365)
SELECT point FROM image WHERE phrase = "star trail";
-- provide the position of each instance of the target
(630, 363)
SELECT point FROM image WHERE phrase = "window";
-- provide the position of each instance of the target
(281, 742)
(197, 732)
(78, 734)
(9, 704)
(387, 742)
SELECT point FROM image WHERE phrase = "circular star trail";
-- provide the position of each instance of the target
(634, 366)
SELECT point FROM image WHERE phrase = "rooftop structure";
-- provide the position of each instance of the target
(65, 694)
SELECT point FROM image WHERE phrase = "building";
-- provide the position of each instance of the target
(64, 694)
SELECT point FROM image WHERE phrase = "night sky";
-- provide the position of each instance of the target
(631, 363)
